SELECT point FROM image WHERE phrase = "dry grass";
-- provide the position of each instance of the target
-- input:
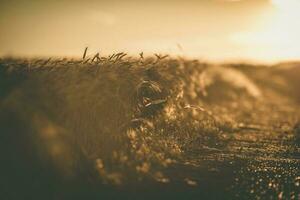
(145, 122)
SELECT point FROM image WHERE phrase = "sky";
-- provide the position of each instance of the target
(216, 30)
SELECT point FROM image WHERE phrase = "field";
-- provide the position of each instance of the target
(158, 127)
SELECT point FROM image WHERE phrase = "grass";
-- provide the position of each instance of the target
(147, 127)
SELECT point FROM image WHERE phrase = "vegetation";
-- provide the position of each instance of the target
(148, 127)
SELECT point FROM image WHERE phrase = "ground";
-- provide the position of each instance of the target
(120, 127)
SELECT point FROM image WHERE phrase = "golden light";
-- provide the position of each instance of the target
(278, 39)
(262, 30)
(286, 4)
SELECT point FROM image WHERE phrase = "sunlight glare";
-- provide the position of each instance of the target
(279, 38)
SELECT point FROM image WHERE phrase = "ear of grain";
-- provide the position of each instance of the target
(122, 56)
(95, 57)
(84, 53)
(142, 55)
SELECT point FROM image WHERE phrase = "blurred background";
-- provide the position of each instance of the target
(214, 30)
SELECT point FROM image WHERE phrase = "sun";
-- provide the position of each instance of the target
(279, 2)
(286, 4)
(279, 37)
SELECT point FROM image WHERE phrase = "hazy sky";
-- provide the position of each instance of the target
(210, 29)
